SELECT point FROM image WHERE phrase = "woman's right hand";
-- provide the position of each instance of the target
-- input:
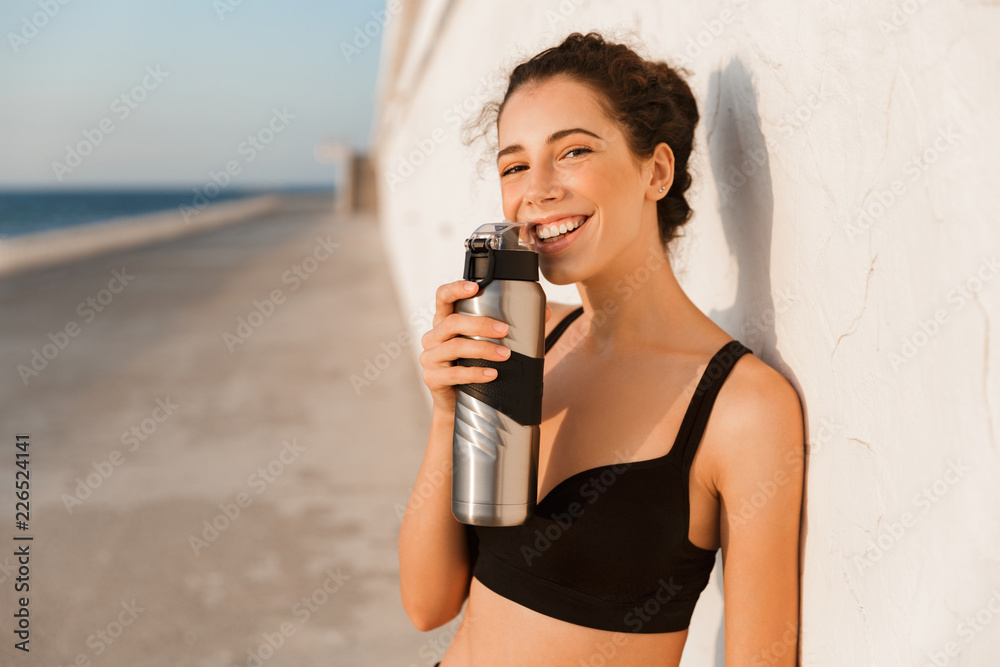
(445, 343)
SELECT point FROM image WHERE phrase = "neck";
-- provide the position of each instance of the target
(635, 302)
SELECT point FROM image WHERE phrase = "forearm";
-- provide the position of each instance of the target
(433, 548)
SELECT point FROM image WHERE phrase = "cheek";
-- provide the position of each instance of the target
(621, 190)
(603, 190)
(608, 182)
(510, 196)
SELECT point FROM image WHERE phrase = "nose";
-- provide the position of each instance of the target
(543, 186)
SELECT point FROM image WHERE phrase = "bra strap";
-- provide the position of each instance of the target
(553, 336)
(696, 417)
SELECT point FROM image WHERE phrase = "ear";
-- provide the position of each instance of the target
(661, 175)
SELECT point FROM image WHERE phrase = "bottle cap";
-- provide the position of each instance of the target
(504, 235)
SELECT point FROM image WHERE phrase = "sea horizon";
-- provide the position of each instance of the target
(31, 209)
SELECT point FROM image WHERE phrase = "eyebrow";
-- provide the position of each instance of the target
(555, 136)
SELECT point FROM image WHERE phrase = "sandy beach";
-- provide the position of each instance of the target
(206, 486)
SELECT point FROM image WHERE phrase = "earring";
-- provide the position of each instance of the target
(661, 189)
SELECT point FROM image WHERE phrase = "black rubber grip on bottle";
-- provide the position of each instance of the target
(516, 391)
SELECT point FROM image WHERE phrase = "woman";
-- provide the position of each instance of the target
(638, 488)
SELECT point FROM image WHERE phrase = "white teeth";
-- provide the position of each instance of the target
(552, 231)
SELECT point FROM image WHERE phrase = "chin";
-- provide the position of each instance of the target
(557, 277)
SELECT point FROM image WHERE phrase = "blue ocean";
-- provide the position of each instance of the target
(30, 211)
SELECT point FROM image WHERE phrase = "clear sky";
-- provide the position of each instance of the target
(166, 93)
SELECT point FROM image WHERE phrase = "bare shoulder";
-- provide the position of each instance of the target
(559, 311)
(756, 420)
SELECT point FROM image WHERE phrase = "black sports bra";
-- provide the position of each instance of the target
(608, 547)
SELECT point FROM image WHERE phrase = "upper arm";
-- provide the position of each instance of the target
(760, 485)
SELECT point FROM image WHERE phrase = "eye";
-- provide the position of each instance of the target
(512, 170)
(580, 150)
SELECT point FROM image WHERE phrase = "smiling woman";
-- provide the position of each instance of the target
(657, 426)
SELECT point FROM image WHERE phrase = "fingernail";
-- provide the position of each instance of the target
(499, 327)
(489, 372)
(502, 351)
(469, 287)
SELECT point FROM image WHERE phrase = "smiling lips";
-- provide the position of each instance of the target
(554, 230)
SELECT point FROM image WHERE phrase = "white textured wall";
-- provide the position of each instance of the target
(856, 253)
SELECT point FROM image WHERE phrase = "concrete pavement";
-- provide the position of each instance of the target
(207, 487)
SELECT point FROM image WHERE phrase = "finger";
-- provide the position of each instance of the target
(460, 325)
(468, 375)
(449, 376)
(463, 348)
(448, 294)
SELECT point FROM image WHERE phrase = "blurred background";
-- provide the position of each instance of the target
(221, 228)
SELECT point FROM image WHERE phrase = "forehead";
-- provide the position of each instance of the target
(536, 110)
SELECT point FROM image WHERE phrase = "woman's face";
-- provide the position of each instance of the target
(563, 161)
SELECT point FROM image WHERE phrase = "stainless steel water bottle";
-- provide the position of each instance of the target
(495, 445)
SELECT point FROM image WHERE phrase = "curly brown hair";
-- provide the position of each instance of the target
(649, 100)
